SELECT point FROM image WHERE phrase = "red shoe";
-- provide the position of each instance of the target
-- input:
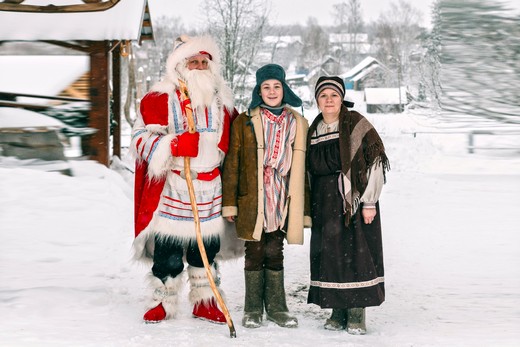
(155, 314)
(209, 311)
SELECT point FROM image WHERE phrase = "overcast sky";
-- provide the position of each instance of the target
(288, 11)
(295, 11)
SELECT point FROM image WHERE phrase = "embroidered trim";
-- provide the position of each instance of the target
(323, 138)
(202, 219)
(348, 285)
(137, 133)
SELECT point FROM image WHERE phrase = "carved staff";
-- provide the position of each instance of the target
(185, 98)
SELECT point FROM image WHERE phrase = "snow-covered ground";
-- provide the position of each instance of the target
(451, 243)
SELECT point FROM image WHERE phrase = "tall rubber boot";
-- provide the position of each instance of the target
(275, 304)
(201, 295)
(163, 301)
(338, 319)
(254, 300)
(356, 321)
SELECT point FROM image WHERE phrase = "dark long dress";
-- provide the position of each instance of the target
(346, 262)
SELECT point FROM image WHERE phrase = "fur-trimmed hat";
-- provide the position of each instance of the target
(273, 72)
(332, 82)
(185, 47)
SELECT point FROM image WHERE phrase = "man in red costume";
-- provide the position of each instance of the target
(164, 225)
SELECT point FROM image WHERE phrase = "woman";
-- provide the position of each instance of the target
(346, 162)
(263, 191)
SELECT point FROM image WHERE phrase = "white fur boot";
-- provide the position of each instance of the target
(163, 301)
(202, 297)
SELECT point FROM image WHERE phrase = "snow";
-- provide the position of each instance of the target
(385, 96)
(24, 74)
(19, 118)
(451, 243)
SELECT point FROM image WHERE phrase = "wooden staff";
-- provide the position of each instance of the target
(185, 98)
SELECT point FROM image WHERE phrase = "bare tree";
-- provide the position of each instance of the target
(397, 39)
(430, 67)
(315, 43)
(340, 15)
(349, 19)
(238, 25)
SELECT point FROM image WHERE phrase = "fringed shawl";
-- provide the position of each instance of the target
(360, 147)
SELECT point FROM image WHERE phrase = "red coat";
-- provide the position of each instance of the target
(154, 111)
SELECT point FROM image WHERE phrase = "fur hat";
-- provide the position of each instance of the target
(273, 72)
(332, 82)
(185, 47)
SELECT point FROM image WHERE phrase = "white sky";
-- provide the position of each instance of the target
(293, 11)
(450, 237)
(289, 11)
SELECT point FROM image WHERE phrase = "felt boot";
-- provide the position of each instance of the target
(274, 296)
(254, 300)
(202, 297)
(338, 319)
(356, 321)
(163, 302)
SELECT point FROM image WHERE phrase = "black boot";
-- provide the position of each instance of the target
(356, 321)
(338, 319)
(254, 301)
(275, 304)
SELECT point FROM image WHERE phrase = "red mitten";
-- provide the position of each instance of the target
(154, 109)
(186, 145)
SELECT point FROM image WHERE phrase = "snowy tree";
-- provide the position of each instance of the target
(238, 26)
(349, 19)
(397, 41)
(430, 65)
(480, 59)
(315, 44)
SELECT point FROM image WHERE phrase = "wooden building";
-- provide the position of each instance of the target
(366, 73)
(100, 29)
(386, 100)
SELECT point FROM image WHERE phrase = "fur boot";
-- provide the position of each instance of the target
(163, 301)
(202, 297)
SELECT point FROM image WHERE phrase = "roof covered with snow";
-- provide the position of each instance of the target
(385, 96)
(18, 118)
(121, 22)
(364, 64)
(40, 75)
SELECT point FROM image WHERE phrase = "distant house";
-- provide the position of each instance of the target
(365, 74)
(324, 67)
(350, 42)
(386, 100)
(278, 49)
(297, 79)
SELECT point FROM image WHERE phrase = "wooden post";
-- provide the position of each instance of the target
(116, 103)
(97, 147)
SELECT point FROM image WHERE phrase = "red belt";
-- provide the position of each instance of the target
(203, 176)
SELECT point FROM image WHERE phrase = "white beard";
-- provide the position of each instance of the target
(202, 86)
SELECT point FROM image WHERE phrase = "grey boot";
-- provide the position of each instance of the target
(356, 321)
(338, 319)
(275, 304)
(254, 302)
